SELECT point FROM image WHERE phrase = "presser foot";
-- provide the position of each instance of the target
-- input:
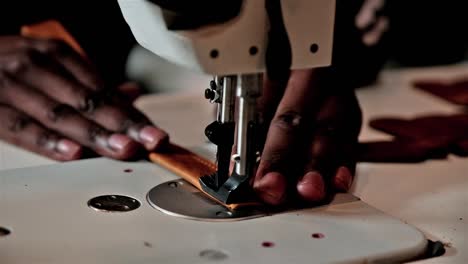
(236, 189)
(180, 198)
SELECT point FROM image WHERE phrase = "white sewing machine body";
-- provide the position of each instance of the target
(46, 209)
(308, 24)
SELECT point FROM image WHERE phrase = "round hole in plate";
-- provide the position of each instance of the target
(128, 170)
(318, 235)
(4, 231)
(268, 244)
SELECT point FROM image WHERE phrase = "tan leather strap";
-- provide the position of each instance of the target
(191, 167)
(184, 163)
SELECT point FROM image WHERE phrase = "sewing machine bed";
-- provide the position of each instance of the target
(46, 209)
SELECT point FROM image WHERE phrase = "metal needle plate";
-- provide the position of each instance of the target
(180, 198)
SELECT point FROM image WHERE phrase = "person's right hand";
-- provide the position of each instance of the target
(53, 103)
(313, 128)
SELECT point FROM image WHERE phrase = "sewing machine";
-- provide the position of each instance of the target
(100, 210)
(271, 36)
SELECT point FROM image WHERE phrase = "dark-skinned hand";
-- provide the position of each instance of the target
(53, 103)
(308, 152)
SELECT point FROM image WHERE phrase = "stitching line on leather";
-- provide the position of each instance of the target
(205, 162)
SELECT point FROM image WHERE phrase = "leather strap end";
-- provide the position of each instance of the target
(191, 167)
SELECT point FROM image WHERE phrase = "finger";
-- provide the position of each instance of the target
(334, 162)
(81, 69)
(65, 120)
(22, 131)
(109, 110)
(289, 122)
(51, 78)
(283, 150)
(128, 120)
(272, 93)
(345, 171)
(60, 85)
(13, 43)
(117, 115)
(343, 179)
(311, 187)
(272, 188)
(323, 158)
(335, 134)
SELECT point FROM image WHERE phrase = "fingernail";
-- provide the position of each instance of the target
(310, 177)
(152, 137)
(311, 187)
(68, 148)
(119, 142)
(343, 178)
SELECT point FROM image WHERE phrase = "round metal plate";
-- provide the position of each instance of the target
(180, 198)
(114, 203)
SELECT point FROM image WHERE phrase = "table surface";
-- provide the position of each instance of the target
(432, 196)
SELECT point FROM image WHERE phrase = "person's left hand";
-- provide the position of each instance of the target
(313, 130)
(54, 103)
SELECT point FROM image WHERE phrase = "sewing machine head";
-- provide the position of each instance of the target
(270, 35)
